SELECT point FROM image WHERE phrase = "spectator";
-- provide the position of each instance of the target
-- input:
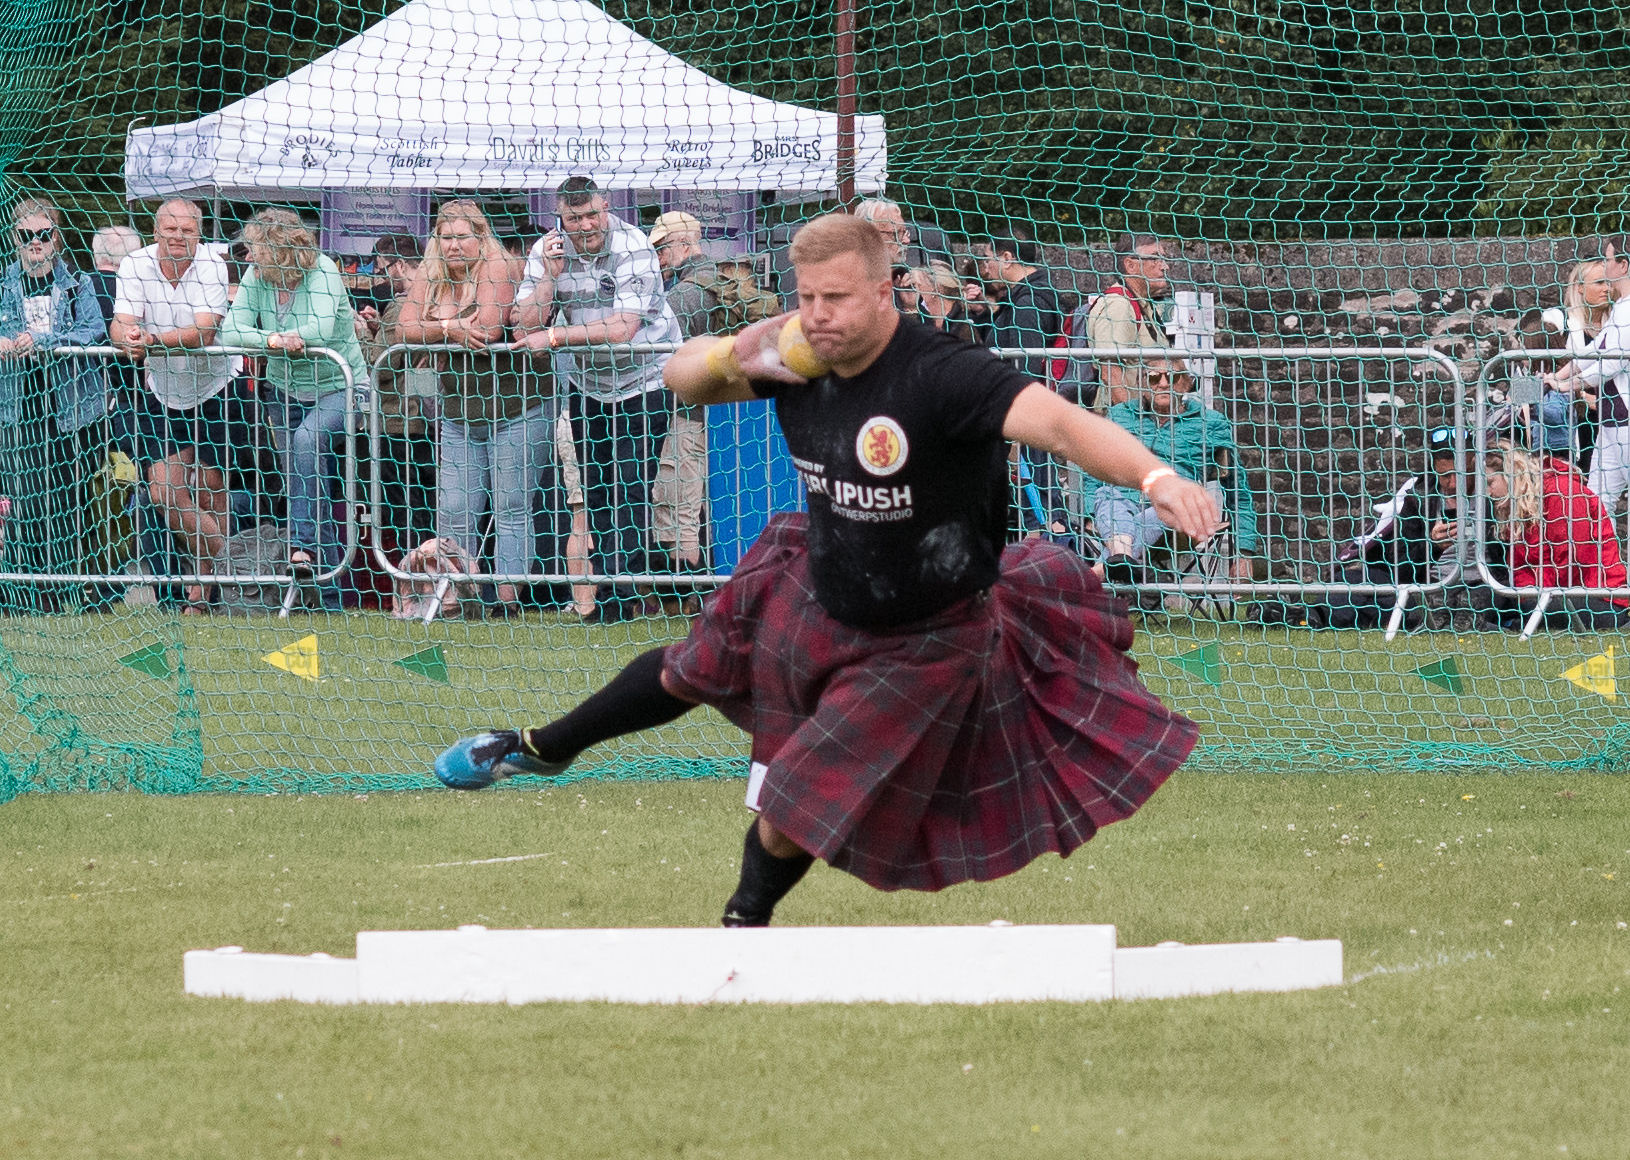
(496, 431)
(1603, 368)
(680, 486)
(1197, 441)
(890, 222)
(579, 544)
(405, 416)
(110, 245)
(395, 257)
(977, 300)
(1551, 427)
(1029, 314)
(1586, 300)
(1126, 314)
(1411, 541)
(292, 300)
(1570, 328)
(1560, 536)
(49, 406)
(171, 298)
(940, 292)
(601, 278)
(690, 277)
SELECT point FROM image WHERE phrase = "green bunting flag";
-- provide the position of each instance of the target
(426, 663)
(1204, 662)
(150, 660)
(1445, 674)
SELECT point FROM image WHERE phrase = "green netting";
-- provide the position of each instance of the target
(1412, 184)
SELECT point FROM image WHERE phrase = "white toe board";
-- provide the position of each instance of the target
(967, 964)
(979, 964)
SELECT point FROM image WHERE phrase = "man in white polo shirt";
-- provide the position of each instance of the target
(597, 278)
(171, 297)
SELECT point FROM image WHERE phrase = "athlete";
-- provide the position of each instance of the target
(925, 707)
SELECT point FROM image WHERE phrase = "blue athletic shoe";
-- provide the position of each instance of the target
(476, 762)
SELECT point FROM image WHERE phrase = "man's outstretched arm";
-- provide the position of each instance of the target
(1040, 419)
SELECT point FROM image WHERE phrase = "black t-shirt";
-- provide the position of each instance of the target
(905, 467)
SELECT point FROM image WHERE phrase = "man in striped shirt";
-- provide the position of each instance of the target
(592, 283)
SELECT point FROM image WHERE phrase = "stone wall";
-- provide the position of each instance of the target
(1324, 440)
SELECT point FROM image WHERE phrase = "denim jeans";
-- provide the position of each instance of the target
(1113, 514)
(310, 439)
(503, 461)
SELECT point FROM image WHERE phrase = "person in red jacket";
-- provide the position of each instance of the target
(1561, 537)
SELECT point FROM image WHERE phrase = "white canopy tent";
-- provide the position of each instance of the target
(497, 95)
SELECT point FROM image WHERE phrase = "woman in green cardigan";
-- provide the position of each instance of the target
(292, 301)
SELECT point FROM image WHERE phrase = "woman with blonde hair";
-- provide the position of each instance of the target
(294, 299)
(940, 295)
(1560, 536)
(1571, 328)
(496, 429)
(49, 406)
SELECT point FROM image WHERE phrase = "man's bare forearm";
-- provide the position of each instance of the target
(697, 379)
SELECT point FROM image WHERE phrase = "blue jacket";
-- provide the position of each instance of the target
(76, 320)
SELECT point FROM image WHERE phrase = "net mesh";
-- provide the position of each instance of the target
(1362, 207)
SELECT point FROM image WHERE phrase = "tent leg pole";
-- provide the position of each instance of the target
(845, 52)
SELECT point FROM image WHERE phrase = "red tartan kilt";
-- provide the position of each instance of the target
(958, 748)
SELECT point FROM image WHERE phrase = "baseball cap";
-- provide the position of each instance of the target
(675, 221)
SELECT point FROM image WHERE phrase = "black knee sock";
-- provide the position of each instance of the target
(633, 700)
(765, 881)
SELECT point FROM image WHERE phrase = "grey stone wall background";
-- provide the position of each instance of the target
(1324, 440)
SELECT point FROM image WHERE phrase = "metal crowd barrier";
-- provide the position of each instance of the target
(137, 576)
(1192, 589)
(1470, 414)
(1487, 376)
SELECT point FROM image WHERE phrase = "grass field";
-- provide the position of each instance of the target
(1486, 1011)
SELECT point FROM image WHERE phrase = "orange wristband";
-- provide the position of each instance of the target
(1155, 475)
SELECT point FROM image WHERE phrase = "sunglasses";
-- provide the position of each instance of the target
(24, 237)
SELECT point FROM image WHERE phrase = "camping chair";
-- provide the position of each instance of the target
(1204, 568)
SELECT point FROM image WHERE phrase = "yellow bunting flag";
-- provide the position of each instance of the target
(1596, 675)
(299, 658)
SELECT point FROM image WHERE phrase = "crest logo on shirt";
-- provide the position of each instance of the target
(881, 446)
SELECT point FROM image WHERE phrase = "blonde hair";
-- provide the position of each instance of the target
(937, 278)
(34, 207)
(1520, 507)
(1581, 315)
(288, 245)
(835, 234)
(493, 264)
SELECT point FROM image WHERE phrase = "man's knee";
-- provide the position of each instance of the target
(674, 688)
(775, 843)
